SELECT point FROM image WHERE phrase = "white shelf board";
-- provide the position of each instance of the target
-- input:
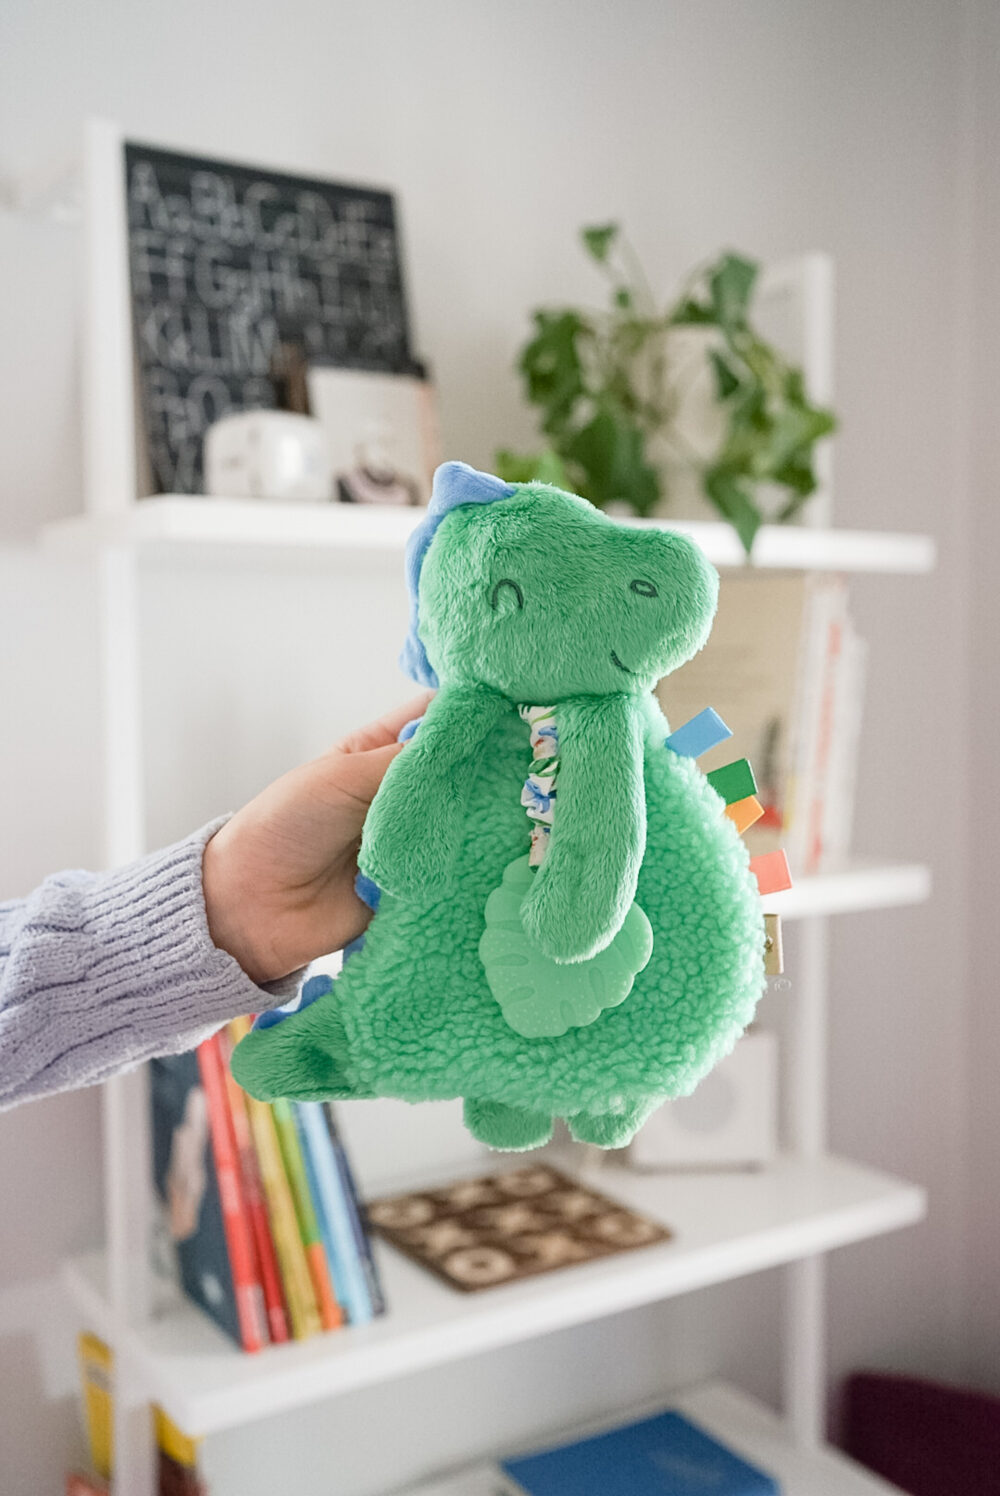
(175, 521)
(851, 889)
(724, 1225)
(741, 1422)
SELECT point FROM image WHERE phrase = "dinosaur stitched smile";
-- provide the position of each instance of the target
(616, 661)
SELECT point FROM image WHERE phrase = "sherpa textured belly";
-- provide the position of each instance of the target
(622, 953)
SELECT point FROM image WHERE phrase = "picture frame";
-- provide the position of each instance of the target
(198, 272)
(381, 433)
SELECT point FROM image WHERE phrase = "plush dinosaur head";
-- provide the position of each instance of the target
(536, 593)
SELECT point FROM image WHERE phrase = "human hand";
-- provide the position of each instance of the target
(279, 876)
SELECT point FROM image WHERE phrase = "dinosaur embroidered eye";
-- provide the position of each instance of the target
(515, 589)
(644, 589)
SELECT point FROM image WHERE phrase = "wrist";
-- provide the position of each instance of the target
(229, 910)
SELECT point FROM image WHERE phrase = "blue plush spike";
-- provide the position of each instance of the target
(408, 730)
(310, 992)
(455, 483)
(368, 892)
(696, 737)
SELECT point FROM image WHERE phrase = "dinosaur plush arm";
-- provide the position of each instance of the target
(415, 826)
(583, 889)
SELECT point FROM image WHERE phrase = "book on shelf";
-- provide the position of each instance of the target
(267, 1234)
(667, 1455)
(187, 1185)
(253, 1193)
(247, 1286)
(177, 1454)
(785, 669)
(333, 1212)
(301, 1299)
(330, 1312)
(356, 1215)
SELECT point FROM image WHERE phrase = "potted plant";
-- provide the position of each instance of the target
(610, 389)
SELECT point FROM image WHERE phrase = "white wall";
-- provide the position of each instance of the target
(984, 726)
(776, 127)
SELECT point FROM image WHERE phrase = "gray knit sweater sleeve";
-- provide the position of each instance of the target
(101, 971)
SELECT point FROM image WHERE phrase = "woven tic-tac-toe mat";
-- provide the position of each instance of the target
(478, 1233)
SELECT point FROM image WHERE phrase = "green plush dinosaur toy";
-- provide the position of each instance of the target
(586, 959)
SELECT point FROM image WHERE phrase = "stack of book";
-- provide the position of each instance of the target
(785, 669)
(259, 1203)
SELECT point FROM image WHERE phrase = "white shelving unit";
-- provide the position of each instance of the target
(725, 1225)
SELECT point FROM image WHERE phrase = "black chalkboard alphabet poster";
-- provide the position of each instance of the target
(226, 263)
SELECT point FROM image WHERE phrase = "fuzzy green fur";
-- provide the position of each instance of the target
(531, 600)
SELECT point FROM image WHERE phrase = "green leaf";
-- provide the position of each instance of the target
(795, 387)
(797, 474)
(552, 366)
(734, 504)
(550, 468)
(537, 467)
(611, 451)
(726, 379)
(514, 467)
(623, 298)
(691, 313)
(730, 284)
(598, 240)
(796, 428)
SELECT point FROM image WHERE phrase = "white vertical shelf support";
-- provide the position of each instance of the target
(111, 487)
(125, 1099)
(804, 1328)
(805, 1351)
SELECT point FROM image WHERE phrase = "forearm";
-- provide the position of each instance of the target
(99, 972)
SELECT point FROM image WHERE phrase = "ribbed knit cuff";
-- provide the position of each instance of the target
(155, 933)
(115, 968)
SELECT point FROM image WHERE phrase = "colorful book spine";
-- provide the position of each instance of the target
(296, 1277)
(333, 1208)
(325, 1231)
(270, 1275)
(376, 1294)
(330, 1311)
(249, 1293)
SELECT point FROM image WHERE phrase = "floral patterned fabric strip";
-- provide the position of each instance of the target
(539, 793)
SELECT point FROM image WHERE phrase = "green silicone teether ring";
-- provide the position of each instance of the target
(542, 998)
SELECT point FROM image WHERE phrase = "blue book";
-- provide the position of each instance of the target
(334, 1214)
(185, 1180)
(663, 1456)
(362, 1240)
(326, 1236)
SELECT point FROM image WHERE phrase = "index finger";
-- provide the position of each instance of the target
(386, 729)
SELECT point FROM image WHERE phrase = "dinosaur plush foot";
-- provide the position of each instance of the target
(610, 1129)
(304, 1057)
(508, 1127)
